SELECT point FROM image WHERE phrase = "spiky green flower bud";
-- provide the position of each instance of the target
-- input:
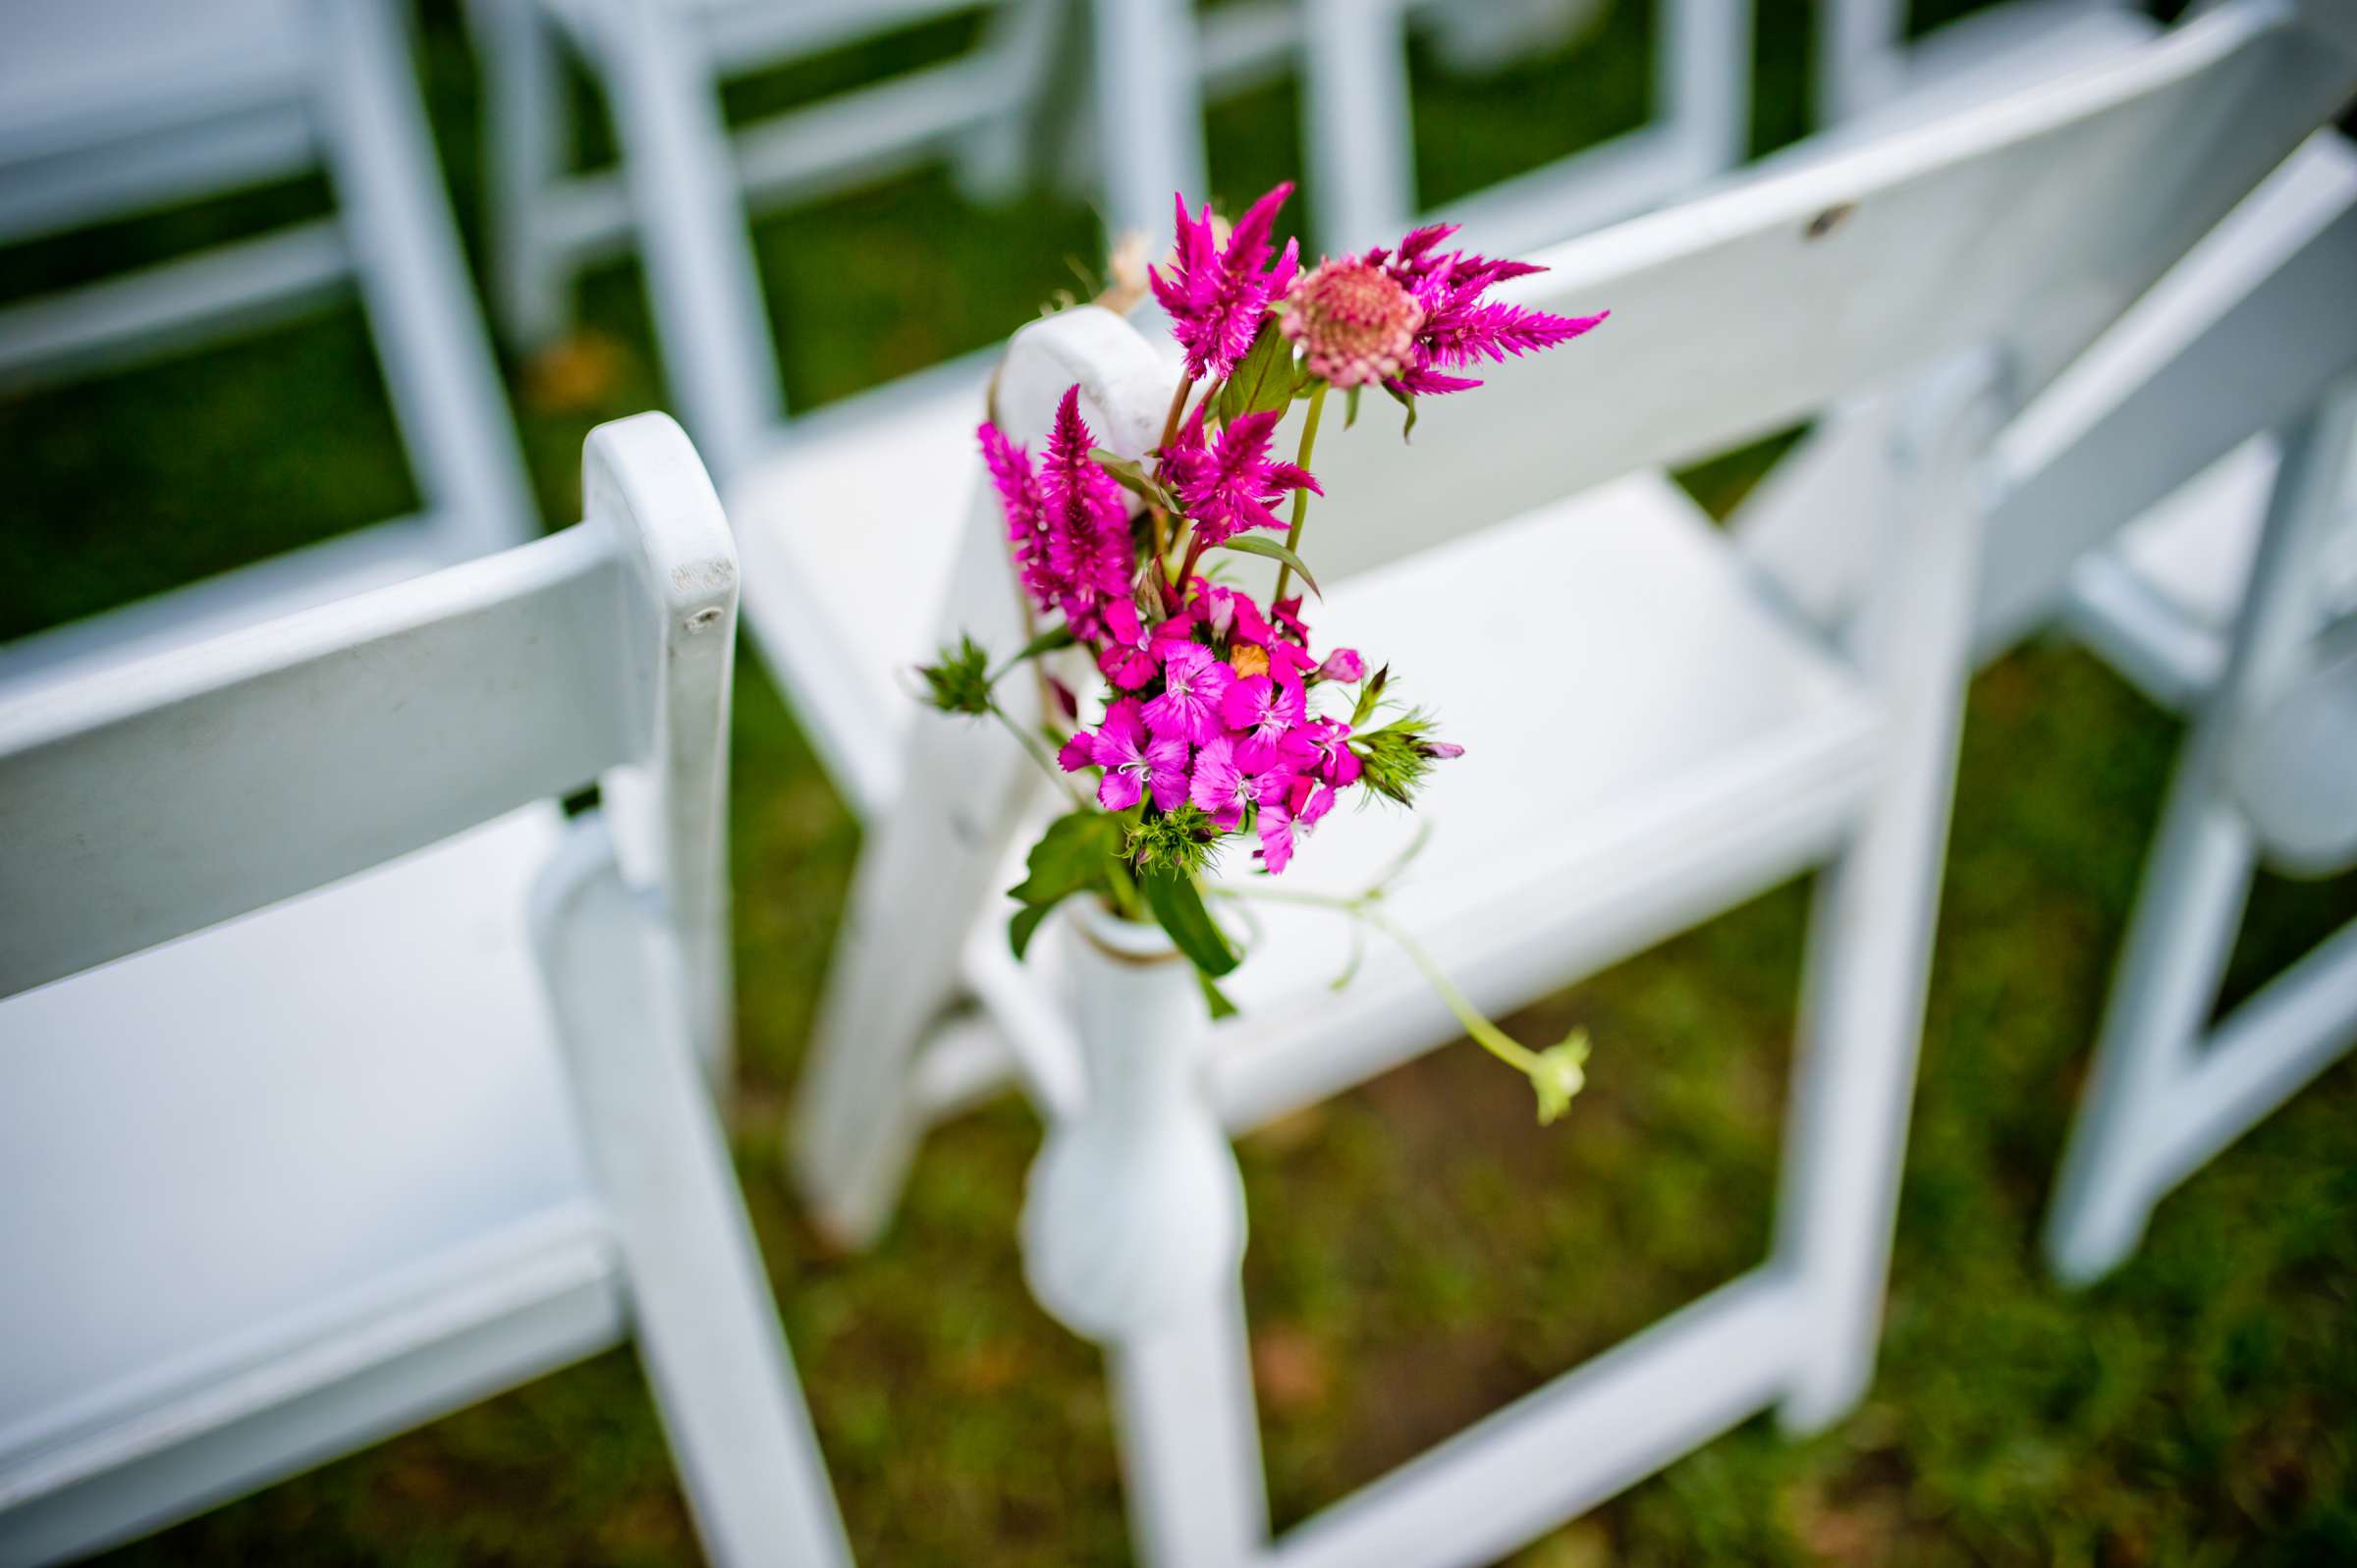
(961, 681)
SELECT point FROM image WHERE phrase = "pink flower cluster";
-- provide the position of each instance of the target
(1211, 721)
(1213, 710)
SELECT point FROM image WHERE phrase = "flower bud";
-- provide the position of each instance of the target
(1353, 321)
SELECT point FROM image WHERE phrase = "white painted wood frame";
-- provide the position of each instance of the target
(2268, 771)
(110, 107)
(1868, 69)
(1888, 267)
(1360, 119)
(344, 1081)
(688, 182)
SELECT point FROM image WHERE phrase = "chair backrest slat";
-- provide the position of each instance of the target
(2028, 223)
(145, 803)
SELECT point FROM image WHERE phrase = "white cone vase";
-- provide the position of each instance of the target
(1134, 1208)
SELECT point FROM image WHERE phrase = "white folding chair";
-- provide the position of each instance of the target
(1707, 739)
(686, 179)
(113, 106)
(1358, 114)
(2244, 339)
(2268, 771)
(1360, 140)
(2167, 601)
(342, 1081)
(1868, 69)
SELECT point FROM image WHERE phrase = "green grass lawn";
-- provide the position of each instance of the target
(1421, 1252)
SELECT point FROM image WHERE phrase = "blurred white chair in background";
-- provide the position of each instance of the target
(2268, 772)
(1869, 69)
(342, 1081)
(1711, 740)
(109, 107)
(1359, 133)
(2244, 339)
(687, 181)
(1358, 115)
(2254, 322)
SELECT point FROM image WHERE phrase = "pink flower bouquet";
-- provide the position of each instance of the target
(1223, 724)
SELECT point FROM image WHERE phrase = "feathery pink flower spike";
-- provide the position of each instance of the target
(1232, 486)
(1460, 328)
(1216, 294)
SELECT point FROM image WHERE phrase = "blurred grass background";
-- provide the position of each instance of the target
(1421, 1252)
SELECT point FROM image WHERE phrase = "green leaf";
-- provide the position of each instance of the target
(1047, 641)
(1221, 1007)
(1264, 380)
(1069, 856)
(1368, 696)
(1132, 476)
(1253, 544)
(1178, 905)
(1351, 406)
(1020, 930)
(1408, 401)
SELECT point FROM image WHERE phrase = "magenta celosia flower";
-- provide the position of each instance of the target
(1194, 682)
(1286, 615)
(1343, 665)
(1090, 553)
(1132, 762)
(1354, 323)
(1230, 776)
(1460, 328)
(1067, 520)
(1216, 294)
(1230, 487)
(1265, 710)
(1020, 499)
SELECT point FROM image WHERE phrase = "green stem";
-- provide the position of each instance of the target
(1162, 542)
(1362, 906)
(1487, 1035)
(1170, 421)
(1039, 753)
(1292, 535)
(1125, 892)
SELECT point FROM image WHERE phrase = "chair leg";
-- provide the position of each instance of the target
(706, 1326)
(1870, 938)
(2184, 931)
(421, 306)
(856, 1121)
(702, 276)
(2191, 905)
(995, 158)
(1146, 89)
(526, 155)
